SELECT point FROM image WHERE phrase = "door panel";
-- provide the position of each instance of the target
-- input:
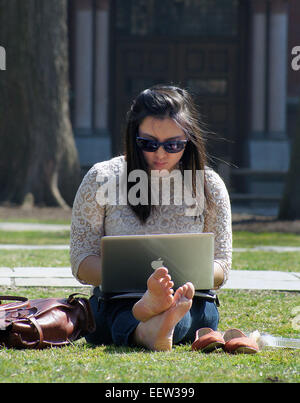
(194, 44)
(139, 66)
(209, 71)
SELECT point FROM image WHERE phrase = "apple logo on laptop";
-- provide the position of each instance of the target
(155, 264)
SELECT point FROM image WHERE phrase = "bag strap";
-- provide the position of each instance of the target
(71, 299)
(23, 302)
(89, 324)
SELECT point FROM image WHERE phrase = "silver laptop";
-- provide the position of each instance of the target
(129, 260)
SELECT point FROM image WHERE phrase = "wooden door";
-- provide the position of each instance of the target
(189, 44)
(139, 65)
(209, 71)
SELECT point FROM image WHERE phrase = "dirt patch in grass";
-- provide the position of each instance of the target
(253, 223)
(37, 213)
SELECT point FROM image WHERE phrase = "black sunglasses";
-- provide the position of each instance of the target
(171, 146)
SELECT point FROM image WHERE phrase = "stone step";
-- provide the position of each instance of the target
(38, 277)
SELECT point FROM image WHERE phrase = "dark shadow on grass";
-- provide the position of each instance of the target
(113, 349)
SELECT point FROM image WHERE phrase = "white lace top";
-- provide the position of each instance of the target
(91, 221)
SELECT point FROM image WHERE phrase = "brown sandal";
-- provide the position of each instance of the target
(207, 340)
(237, 342)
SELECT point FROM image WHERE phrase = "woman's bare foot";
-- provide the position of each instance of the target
(157, 333)
(158, 297)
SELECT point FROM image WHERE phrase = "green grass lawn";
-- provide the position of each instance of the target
(258, 260)
(285, 261)
(81, 363)
(244, 239)
(241, 239)
(35, 237)
(29, 258)
(267, 311)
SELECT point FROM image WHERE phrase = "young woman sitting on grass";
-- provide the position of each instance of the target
(163, 133)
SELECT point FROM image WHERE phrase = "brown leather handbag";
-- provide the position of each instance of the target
(45, 322)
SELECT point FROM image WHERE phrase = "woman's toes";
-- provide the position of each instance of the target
(160, 273)
(190, 292)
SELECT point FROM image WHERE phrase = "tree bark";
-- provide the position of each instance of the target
(290, 202)
(37, 148)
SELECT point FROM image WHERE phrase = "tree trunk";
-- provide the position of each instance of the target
(35, 132)
(290, 203)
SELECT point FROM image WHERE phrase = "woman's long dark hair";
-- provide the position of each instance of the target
(162, 101)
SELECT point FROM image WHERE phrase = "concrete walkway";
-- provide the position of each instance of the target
(38, 277)
(33, 247)
(12, 226)
(62, 277)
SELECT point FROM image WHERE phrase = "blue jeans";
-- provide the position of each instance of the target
(115, 323)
